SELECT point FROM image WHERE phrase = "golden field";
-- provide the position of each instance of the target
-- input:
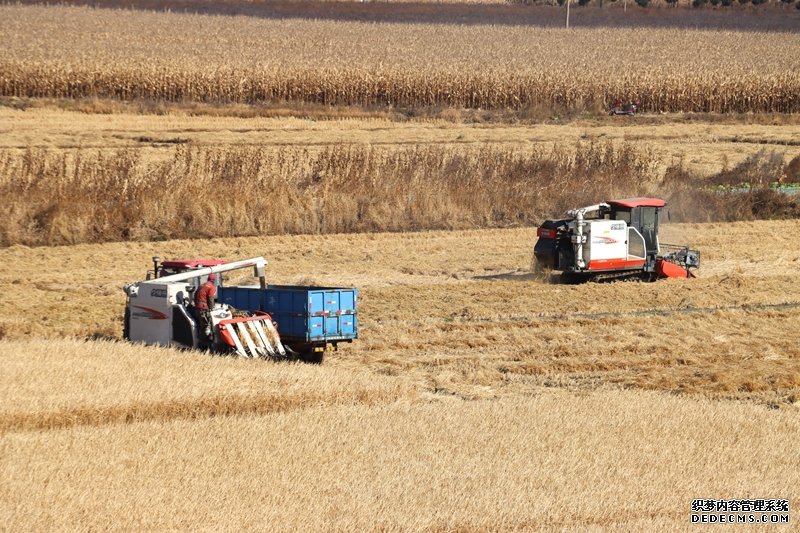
(187, 57)
(476, 398)
(542, 463)
(461, 312)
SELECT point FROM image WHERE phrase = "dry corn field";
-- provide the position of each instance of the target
(477, 397)
(183, 57)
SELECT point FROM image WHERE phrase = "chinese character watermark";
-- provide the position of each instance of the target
(758, 511)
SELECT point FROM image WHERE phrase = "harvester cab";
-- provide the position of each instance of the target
(613, 240)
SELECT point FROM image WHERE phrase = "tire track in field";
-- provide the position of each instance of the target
(206, 407)
(601, 315)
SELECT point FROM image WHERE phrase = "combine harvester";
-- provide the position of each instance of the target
(615, 240)
(248, 320)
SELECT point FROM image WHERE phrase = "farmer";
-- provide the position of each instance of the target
(203, 304)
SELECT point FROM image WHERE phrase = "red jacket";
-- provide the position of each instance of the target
(204, 297)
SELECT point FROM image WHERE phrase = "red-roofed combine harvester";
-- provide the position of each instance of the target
(613, 240)
(248, 320)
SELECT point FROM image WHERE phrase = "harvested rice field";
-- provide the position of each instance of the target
(461, 313)
(477, 397)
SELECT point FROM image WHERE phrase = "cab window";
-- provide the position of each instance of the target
(649, 217)
(623, 215)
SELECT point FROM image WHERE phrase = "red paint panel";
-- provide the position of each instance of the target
(638, 202)
(545, 233)
(615, 264)
(225, 336)
(260, 315)
(224, 325)
(665, 269)
(151, 314)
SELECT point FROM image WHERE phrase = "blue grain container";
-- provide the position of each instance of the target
(311, 315)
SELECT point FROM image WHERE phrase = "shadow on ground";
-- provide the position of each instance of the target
(513, 276)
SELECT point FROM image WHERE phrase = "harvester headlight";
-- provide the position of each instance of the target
(131, 289)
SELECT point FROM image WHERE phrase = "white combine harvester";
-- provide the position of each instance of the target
(614, 240)
(160, 311)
